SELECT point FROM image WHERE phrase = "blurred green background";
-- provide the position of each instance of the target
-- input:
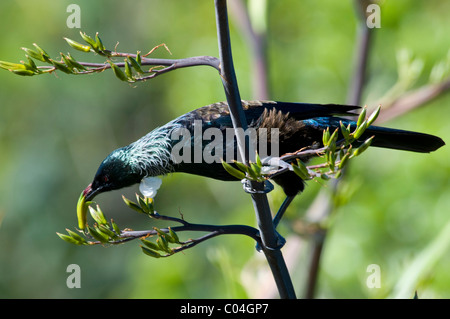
(56, 129)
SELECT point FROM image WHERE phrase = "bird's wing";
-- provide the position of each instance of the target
(218, 114)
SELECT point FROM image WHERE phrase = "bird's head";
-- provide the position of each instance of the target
(115, 172)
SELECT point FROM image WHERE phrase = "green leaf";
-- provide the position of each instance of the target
(233, 171)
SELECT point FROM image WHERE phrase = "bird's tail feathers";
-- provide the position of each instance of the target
(403, 140)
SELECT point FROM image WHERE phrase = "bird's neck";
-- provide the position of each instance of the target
(151, 154)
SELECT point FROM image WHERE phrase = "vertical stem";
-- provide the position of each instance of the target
(260, 203)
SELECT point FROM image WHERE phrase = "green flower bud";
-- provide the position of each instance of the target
(76, 236)
(11, 66)
(150, 252)
(138, 58)
(373, 116)
(108, 232)
(89, 40)
(135, 64)
(43, 54)
(150, 244)
(34, 54)
(363, 147)
(301, 170)
(133, 205)
(82, 208)
(95, 215)
(233, 171)
(99, 42)
(68, 239)
(344, 160)
(78, 46)
(362, 116)
(118, 72)
(326, 136)
(23, 72)
(115, 227)
(60, 66)
(128, 71)
(360, 130)
(75, 64)
(101, 237)
(164, 245)
(174, 236)
(345, 131)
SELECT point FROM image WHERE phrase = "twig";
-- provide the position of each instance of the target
(413, 99)
(217, 229)
(257, 43)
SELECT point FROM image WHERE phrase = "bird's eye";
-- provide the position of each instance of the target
(106, 178)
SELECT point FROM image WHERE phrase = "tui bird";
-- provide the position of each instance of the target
(300, 125)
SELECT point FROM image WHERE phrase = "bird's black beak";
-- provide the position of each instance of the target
(89, 193)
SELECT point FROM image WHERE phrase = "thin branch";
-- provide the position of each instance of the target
(413, 99)
(217, 229)
(257, 43)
